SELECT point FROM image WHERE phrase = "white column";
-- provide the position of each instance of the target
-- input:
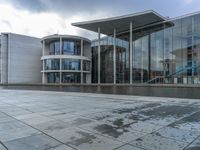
(43, 65)
(99, 56)
(81, 62)
(131, 52)
(60, 60)
(114, 55)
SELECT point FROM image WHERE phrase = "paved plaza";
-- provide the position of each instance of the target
(40, 120)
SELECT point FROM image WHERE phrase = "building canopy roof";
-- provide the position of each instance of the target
(121, 23)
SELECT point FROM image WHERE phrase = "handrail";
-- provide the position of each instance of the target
(162, 77)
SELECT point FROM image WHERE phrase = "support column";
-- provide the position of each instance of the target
(60, 60)
(131, 52)
(99, 56)
(43, 65)
(81, 62)
(114, 55)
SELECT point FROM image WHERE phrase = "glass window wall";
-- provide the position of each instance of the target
(54, 48)
(52, 64)
(69, 64)
(71, 77)
(53, 77)
(86, 65)
(71, 47)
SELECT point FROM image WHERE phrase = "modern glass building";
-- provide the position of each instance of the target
(66, 59)
(146, 48)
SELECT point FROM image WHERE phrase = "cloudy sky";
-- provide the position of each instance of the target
(44, 17)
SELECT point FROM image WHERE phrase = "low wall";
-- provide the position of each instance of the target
(173, 91)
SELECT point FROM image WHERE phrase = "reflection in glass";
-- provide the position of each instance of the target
(53, 77)
(94, 64)
(54, 48)
(71, 47)
(164, 53)
(157, 54)
(86, 65)
(52, 64)
(69, 64)
(71, 77)
(107, 60)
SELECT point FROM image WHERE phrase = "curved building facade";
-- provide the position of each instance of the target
(66, 59)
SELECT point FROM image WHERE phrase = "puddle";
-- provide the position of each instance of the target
(193, 121)
(85, 138)
(130, 110)
(168, 111)
(80, 121)
(110, 130)
(193, 118)
(99, 118)
(193, 148)
(118, 122)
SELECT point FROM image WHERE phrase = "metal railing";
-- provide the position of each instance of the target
(161, 79)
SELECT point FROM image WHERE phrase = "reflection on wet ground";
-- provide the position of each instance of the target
(77, 121)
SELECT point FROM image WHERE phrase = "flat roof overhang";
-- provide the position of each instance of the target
(122, 23)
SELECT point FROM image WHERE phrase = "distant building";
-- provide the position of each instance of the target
(66, 59)
(19, 59)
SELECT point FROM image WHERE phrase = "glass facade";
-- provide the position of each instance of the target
(94, 64)
(68, 64)
(72, 66)
(86, 65)
(71, 77)
(71, 47)
(52, 64)
(54, 48)
(53, 77)
(166, 53)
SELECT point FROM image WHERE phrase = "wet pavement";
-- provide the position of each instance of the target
(41, 120)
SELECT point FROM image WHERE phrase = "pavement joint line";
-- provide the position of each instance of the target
(191, 142)
(3, 145)
(44, 133)
(129, 145)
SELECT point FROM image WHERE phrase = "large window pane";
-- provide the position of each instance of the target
(54, 48)
(157, 55)
(71, 77)
(122, 59)
(107, 60)
(94, 64)
(71, 47)
(196, 46)
(53, 77)
(52, 64)
(68, 64)
(86, 65)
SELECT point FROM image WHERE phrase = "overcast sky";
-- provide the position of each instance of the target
(44, 17)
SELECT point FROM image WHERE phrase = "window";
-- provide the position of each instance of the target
(68, 64)
(71, 48)
(54, 48)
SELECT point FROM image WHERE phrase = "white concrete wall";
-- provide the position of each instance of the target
(24, 55)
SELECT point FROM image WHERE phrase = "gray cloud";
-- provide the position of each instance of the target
(65, 7)
(7, 23)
